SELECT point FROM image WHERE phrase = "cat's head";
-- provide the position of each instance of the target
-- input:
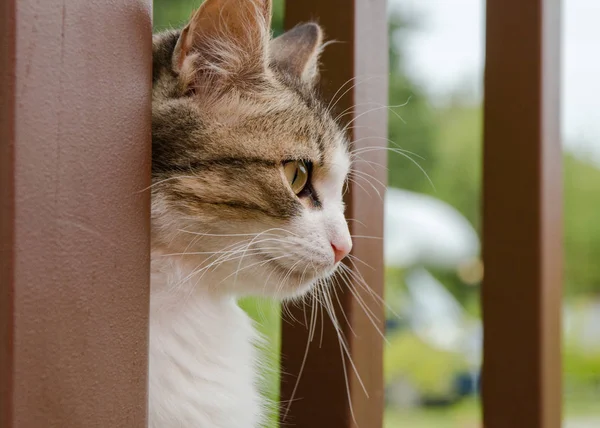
(248, 164)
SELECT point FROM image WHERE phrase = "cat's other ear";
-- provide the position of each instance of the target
(297, 52)
(226, 41)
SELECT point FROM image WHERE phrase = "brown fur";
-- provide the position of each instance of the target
(219, 137)
(236, 119)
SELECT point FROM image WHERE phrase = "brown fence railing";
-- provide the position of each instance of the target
(74, 228)
(522, 216)
(74, 156)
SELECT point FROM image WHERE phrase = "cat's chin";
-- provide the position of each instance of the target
(292, 291)
(279, 282)
(298, 284)
(252, 277)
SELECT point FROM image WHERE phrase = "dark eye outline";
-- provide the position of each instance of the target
(308, 165)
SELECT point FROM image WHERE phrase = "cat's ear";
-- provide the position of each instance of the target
(297, 51)
(225, 41)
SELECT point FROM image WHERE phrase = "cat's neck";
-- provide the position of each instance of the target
(203, 361)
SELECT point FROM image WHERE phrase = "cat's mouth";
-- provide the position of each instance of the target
(301, 274)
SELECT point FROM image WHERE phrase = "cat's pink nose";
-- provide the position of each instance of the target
(340, 251)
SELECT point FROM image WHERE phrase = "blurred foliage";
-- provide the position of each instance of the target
(430, 370)
(441, 148)
(581, 366)
(462, 415)
(581, 359)
(582, 226)
(266, 315)
(412, 125)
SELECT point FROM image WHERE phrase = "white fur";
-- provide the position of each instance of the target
(203, 365)
(203, 359)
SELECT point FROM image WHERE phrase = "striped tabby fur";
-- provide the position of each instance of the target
(230, 107)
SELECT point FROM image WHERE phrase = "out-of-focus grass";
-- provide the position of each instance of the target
(467, 414)
(464, 415)
(266, 314)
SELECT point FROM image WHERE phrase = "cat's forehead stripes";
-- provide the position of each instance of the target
(197, 165)
(222, 157)
(183, 137)
(235, 188)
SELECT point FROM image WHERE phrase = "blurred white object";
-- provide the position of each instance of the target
(581, 325)
(435, 315)
(422, 230)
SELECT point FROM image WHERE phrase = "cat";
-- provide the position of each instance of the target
(248, 170)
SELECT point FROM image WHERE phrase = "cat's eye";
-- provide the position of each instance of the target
(296, 173)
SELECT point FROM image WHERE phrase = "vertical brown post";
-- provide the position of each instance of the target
(74, 224)
(359, 61)
(7, 102)
(522, 216)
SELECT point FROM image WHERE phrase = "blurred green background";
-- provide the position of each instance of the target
(448, 142)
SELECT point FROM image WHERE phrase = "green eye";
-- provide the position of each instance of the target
(296, 173)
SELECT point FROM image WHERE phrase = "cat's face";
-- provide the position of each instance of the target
(248, 164)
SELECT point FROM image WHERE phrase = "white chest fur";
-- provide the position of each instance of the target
(203, 361)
